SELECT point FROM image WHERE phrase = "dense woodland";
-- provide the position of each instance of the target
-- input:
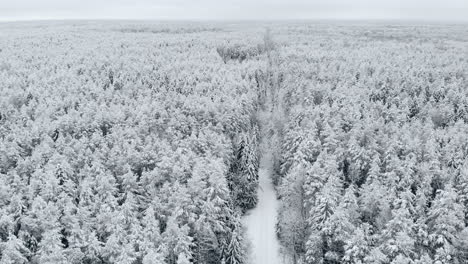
(124, 147)
(129, 143)
(372, 155)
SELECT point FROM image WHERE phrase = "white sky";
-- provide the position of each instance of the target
(432, 10)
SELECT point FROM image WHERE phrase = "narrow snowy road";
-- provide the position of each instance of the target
(260, 221)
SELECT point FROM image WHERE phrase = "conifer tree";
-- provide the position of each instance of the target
(236, 251)
(13, 251)
(178, 241)
(51, 249)
(357, 247)
(446, 221)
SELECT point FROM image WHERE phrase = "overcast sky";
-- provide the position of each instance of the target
(434, 10)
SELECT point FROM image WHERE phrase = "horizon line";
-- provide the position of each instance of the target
(330, 19)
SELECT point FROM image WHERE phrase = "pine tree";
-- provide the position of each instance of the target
(446, 221)
(357, 246)
(326, 202)
(217, 195)
(51, 248)
(235, 251)
(339, 228)
(127, 254)
(331, 141)
(321, 215)
(398, 237)
(243, 179)
(209, 191)
(462, 188)
(153, 257)
(315, 177)
(292, 213)
(13, 251)
(151, 236)
(374, 199)
(314, 248)
(178, 241)
(89, 243)
(113, 247)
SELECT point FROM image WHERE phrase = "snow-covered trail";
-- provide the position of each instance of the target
(261, 221)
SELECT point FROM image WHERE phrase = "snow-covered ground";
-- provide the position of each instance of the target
(260, 221)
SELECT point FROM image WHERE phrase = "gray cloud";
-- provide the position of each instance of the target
(235, 9)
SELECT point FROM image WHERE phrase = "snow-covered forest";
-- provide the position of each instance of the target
(139, 143)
